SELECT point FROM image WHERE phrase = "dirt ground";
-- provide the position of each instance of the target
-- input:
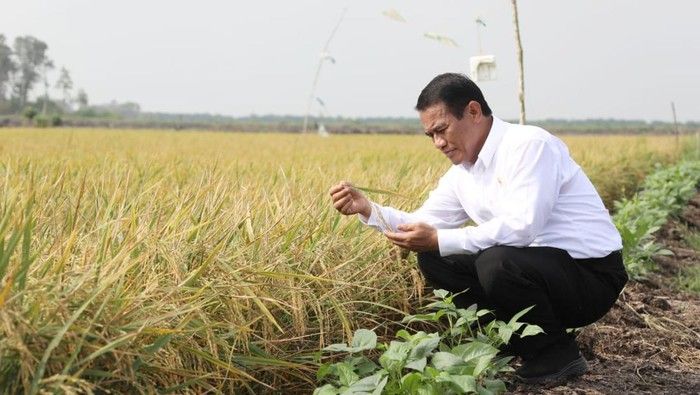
(649, 342)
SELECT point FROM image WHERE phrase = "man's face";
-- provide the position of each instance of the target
(458, 139)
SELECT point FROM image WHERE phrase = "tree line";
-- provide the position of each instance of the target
(25, 68)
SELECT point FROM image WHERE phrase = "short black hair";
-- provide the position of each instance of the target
(455, 90)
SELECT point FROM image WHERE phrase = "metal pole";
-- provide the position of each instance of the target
(675, 126)
(521, 82)
(478, 37)
(318, 72)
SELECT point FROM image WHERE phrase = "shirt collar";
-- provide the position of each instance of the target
(493, 140)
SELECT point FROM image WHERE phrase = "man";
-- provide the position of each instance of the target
(542, 236)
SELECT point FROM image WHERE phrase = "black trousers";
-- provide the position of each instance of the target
(566, 292)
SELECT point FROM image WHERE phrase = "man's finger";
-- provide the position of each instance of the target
(396, 236)
(337, 187)
(334, 189)
(406, 227)
(402, 244)
(346, 207)
(340, 194)
(338, 204)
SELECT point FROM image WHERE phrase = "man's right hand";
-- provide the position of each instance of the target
(349, 200)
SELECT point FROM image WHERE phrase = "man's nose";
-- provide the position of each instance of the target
(439, 142)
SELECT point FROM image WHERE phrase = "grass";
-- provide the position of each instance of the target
(692, 239)
(139, 261)
(689, 278)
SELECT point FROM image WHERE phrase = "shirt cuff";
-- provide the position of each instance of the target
(452, 241)
(372, 220)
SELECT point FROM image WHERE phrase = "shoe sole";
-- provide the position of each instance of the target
(575, 368)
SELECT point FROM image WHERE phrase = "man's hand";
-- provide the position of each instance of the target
(349, 200)
(418, 237)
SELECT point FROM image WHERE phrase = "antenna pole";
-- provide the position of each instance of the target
(318, 72)
(478, 37)
(675, 126)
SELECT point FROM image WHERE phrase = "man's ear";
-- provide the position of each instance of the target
(473, 111)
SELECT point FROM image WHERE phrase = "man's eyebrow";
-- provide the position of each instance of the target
(436, 127)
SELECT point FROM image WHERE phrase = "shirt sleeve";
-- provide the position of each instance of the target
(441, 210)
(531, 190)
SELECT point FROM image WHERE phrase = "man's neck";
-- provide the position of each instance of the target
(484, 134)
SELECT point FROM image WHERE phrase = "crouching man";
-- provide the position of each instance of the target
(542, 236)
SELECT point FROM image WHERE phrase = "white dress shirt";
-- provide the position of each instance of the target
(523, 190)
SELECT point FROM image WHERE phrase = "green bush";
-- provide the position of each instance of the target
(664, 193)
(461, 360)
(56, 120)
(42, 121)
(30, 113)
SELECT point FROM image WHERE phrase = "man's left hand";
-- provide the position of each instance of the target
(417, 237)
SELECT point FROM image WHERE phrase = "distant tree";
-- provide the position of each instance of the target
(45, 68)
(7, 66)
(82, 99)
(29, 113)
(33, 62)
(65, 85)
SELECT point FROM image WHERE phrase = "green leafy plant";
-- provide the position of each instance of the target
(462, 359)
(664, 193)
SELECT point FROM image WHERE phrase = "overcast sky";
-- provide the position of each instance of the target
(624, 59)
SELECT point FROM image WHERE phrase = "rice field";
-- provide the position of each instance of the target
(144, 261)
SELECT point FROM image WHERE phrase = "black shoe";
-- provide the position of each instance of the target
(555, 364)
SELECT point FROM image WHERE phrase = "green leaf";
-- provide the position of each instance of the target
(338, 347)
(158, 344)
(380, 386)
(365, 366)
(477, 350)
(346, 374)
(460, 350)
(367, 384)
(423, 317)
(26, 259)
(323, 371)
(327, 389)
(395, 356)
(464, 383)
(364, 339)
(417, 364)
(441, 293)
(403, 334)
(505, 332)
(531, 330)
(445, 360)
(495, 386)
(431, 372)
(425, 346)
(411, 382)
(40, 369)
(482, 363)
(519, 314)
